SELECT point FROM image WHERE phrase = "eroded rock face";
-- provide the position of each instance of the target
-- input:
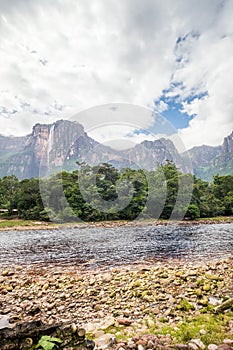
(61, 144)
(227, 147)
(208, 161)
(49, 145)
(26, 335)
(41, 152)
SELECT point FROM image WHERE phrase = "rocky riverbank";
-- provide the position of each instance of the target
(24, 225)
(168, 304)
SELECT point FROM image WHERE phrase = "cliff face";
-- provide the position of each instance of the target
(11, 144)
(51, 148)
(208, 161)
(149, 154)
(41, 152)
(227, 150)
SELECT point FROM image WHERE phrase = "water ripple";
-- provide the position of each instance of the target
(116, 246)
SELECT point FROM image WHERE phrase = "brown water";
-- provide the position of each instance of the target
(98, 247)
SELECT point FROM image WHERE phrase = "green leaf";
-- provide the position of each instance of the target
(47, 343)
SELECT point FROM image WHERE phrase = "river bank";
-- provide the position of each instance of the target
(18, 224)
(164, 302)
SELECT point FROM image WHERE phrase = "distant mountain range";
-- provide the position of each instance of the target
(59, 146)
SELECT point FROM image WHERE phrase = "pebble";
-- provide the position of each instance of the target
(199, 343)
(212, 347)
(140, 347)
(124, 321)
(135, 301)
(5, 273)
(105, 341)
(193, 346)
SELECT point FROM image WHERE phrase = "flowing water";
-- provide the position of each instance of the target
(116, 246)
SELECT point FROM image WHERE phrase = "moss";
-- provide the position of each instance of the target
(198, 292)
(185, 305)
(200, 282)
(213, 277)
(206, 287)
(216, 327)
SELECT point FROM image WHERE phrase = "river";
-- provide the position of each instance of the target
(98, 247)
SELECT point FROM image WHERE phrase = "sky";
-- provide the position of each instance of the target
(59, 59)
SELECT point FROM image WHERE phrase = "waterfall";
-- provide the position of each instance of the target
(50, 146)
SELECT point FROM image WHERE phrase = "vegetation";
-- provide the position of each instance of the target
(48, 343)
(215, 328)
(104, 193)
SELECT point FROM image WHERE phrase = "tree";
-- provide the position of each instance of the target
(9, 188)
(193, 212)
(29, 203)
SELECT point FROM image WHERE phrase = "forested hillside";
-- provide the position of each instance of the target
(97, 193)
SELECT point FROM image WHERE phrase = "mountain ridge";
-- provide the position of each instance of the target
(59, 146)
(211, 160)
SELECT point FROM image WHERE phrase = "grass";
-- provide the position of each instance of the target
(209, 328)
(21, 223)
(217, 218)
(215, 327)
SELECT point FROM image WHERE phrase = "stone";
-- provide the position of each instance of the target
(131, 344)
(198, 342)
(5, 272)
(120, 346)
(105, 341)
(91, 327)
(214, 301)
(212, 347)
(107, 322)
(98, 334)
(224, 347)
(150, 344)
(19, 268)
(4, 321)
(193, 346)
(150, 323)
(140, 347)
(224, 306)
(124, 321)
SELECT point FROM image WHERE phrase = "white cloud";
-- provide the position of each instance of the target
(59, 58)
(161, 106)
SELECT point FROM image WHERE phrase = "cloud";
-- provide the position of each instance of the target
(59, 58)
(161, 106)
(208, 70)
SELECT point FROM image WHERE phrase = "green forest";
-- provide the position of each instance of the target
(97, 193)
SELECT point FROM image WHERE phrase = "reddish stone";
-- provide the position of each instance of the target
(124, 321)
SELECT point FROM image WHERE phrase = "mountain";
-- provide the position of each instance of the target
(208, 161)
(59, 146)
(51, 148)
(43, 150)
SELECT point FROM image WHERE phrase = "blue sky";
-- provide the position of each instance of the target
(173, 110)
(174, 116)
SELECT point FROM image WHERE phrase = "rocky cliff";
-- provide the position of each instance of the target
(41, 152)
(59, 146)
(208, 161)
